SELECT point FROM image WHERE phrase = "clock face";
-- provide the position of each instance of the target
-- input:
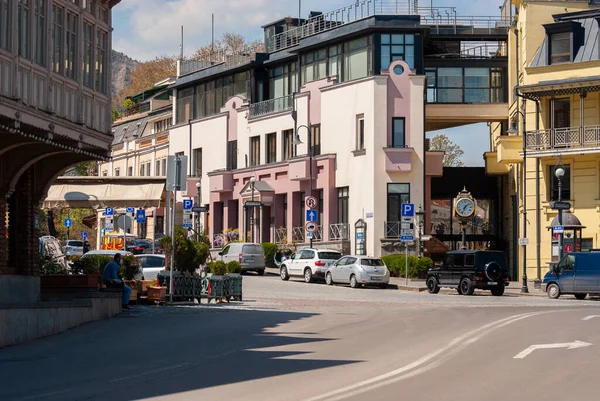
(465, 207)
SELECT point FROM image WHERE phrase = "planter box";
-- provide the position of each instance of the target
(70, 281)
(157, 293)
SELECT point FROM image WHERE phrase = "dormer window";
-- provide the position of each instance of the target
(560, 47)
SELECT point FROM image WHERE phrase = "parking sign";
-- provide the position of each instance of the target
(188, 204)
(408, 210)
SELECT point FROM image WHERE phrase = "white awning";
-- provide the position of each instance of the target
(99, 196)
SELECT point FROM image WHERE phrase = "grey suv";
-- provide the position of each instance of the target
(470, 270)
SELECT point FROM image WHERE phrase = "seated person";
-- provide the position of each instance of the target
(111, 279)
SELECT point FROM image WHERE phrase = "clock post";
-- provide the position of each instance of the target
(464, 209)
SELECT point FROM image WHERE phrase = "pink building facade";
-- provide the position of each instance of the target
(366, 128)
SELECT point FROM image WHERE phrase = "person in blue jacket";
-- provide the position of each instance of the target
(111, 279)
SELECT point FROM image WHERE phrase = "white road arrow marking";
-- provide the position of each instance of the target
(590, 317)
(573, 345)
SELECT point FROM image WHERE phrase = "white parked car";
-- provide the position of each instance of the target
(73, 247)
(358, 271)
(309, 263)
(151, 265)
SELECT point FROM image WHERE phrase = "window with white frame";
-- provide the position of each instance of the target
(101, 48)
(23, 8)
(5, 24)
(39, 32)
(164, 167)
(57, 36)
(162, 125)
(71, 49)
(117, 172)
(88, 53)
(130, 171)
(142, 169)
(157, 168)
(288, 144)
(197, 166)
(148, 165)
(254, 151)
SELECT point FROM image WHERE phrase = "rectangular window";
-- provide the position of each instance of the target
(314, 66)
(163, 125)
(130, 171)
(100, 70)
(315, 139)
(164, 167)
(5, 24)
(185, 101)
(271, 148)
(71, 49)
(288, 144)
(343, 201)
(254, 151)
(565, 181)
(197, 166)
(562, 113)
(103, 14)
(117, 172)
(479, 80)
(397, 47)
(360, 132)
(397, 194)
(398, 133)
(148, 165)
(357, 59)
(285, 209)
(40, 32)
(23, 28)
(157, 168)
(560, 47)
(142, 170)
(57, 37)
(232, 154)
(88, 54)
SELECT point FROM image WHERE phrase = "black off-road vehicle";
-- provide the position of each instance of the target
(470, 270)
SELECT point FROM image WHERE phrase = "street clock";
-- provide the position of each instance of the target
(464, 205)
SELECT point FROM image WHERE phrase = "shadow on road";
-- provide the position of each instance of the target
(157, 351)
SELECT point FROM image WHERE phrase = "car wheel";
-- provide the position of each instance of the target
(283, 273)
(329, 279)
(432, 285)
(493, 271)
(466, 286)
(353, 282)
(261, 272)
(308, 275)
(580, 297)
(498, 291)
(553, 291)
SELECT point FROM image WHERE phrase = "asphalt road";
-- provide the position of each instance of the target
(311, 342)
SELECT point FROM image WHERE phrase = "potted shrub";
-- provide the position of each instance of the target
(270, 250)
(156, 293)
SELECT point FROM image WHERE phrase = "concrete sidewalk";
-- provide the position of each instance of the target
(514, 287)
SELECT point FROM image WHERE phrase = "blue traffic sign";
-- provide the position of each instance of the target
(407, 238)
(558, 229)
(360, 235)
(68, 223)
(109, 211)
(84, 235)
(311, 215)
(188, 204)
(140, 216)
(129, 210)
(408, 210)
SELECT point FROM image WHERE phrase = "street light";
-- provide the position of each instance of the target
(514, 131)
(252, 181)
(298, 141)
(421, 215)
(198, 188)
(559, 172)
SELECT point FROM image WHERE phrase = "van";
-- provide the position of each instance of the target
(251, 256)
(578, 274)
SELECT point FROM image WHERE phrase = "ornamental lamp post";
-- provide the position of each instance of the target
(252, 181)
(298, 141)
(198, 188)
(559, 172)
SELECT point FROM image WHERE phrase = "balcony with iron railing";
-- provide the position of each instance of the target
(442, 20)
(271, 106)
(564, 139)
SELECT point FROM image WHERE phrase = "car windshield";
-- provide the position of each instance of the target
(371, 262)
(75, 243)
(252, 249)
(330, 255)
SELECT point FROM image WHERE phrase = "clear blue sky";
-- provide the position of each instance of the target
(144, 29)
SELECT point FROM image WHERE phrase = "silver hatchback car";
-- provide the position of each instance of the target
(358, 271)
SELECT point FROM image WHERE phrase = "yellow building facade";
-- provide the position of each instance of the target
(554, 68)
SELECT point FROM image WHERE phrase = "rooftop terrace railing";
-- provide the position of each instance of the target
(215, 59)
(441, 18)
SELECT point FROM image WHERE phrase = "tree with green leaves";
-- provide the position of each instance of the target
(452, 152)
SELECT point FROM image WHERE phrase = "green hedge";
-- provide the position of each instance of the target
(270, 251)
(234, 267)
(417, 267)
